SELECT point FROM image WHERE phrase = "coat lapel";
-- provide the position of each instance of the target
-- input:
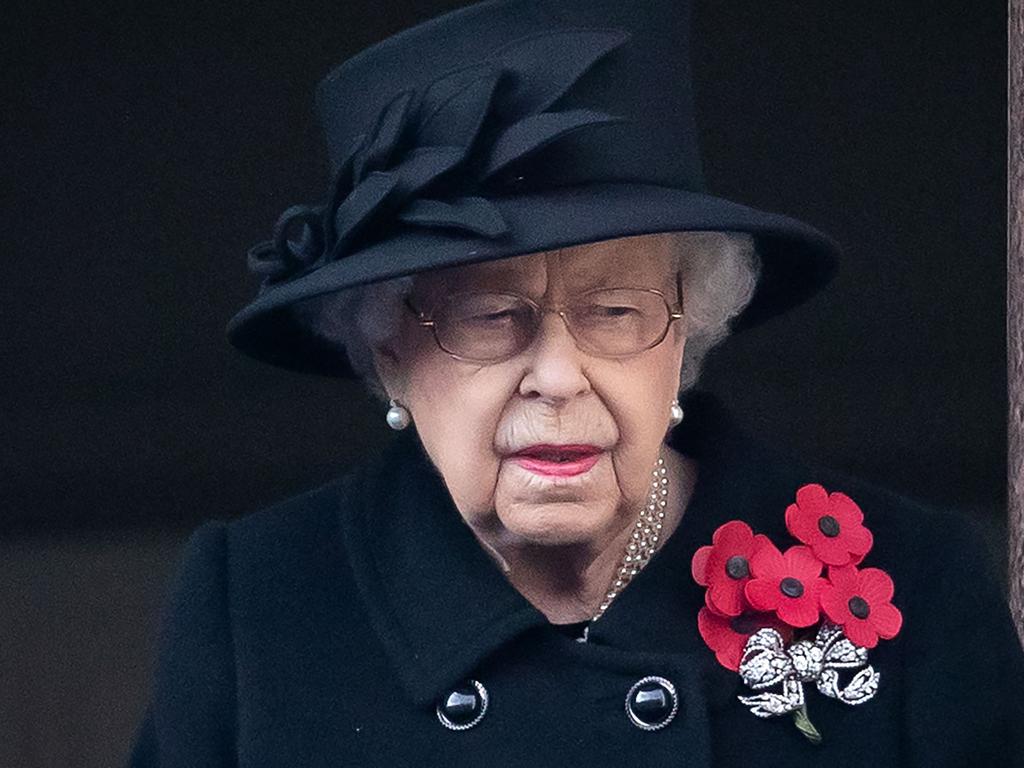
(440, 604)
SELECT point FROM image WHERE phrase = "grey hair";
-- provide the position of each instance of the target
(719, 272)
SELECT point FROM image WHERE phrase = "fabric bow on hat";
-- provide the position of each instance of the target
(428, 154)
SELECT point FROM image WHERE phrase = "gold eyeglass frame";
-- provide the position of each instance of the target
(426, 319)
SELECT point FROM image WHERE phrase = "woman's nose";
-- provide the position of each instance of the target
(555, 364)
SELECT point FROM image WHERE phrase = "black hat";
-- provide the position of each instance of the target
(504, 128)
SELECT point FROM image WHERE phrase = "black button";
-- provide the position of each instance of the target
(791, 587)
(651, 703)
(737, 567)
(828, 525)
(463, 707)
(859, 607)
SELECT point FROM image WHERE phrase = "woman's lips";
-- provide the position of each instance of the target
(558, 460)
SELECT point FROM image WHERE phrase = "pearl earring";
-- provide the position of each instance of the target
(675, 413)
(398, 416)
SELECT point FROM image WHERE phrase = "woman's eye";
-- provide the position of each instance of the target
(493, 317)
(601, 311)
(484, 312)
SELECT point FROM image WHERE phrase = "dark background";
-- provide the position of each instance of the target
(147, 148)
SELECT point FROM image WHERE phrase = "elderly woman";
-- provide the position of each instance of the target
(568, 556)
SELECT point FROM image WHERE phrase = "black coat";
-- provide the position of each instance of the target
(323, 630)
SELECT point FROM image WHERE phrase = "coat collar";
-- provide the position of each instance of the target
(441, 605)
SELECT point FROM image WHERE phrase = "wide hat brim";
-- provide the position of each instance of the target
(797, 259)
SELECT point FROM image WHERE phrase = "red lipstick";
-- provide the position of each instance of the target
(558, 460)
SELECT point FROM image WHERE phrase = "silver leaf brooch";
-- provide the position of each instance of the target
(775, 619)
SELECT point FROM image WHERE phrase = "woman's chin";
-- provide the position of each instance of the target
(551, 509)
(556, 523)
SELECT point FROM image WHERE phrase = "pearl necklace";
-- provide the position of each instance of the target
(643, 541)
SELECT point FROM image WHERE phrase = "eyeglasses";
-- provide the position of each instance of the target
(486, 327)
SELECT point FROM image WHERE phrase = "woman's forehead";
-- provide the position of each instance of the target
(644, 261)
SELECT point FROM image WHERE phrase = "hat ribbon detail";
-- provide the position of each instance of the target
(431, 155)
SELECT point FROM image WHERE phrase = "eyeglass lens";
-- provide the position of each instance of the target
(492, 326)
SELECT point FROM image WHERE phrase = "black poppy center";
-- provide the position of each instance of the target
(828, 525)
(744, 625)
(737, 567)
(859, 607)
(791, 587)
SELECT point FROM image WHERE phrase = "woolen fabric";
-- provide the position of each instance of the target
(323, 630)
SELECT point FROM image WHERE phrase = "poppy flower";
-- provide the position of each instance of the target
(831, 524)
(859, 602)
(724, 567)
(727, 635)
(788, 584)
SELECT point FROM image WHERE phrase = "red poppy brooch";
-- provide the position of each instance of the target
(774, 618)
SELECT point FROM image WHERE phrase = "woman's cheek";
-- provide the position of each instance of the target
(470, 466)
(634, 459)
(473, 491)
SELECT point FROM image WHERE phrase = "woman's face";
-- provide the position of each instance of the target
(474, 418)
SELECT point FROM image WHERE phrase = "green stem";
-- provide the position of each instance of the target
(805, 726)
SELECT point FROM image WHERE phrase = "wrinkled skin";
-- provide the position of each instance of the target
(559, 539)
